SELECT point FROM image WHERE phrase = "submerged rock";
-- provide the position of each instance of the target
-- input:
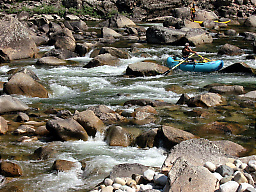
(238, 68)
(63, 165)
(50, 61)
(10, 169)
(103, 59)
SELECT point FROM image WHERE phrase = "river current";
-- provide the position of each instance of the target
(73, 87)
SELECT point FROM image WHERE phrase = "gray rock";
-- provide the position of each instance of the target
(11, 104)
(163, 35)
(250, 95)
(238, 68)
(252, 165)
(244, 186)
(149, 174)
(160, 179)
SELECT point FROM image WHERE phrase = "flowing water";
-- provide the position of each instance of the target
(76, 88)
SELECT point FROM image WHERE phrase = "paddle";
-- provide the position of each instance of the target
(181, 61)
(204, 58)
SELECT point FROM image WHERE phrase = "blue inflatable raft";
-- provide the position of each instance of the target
(196, 66)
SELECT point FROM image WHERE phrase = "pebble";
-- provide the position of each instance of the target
(230, 186)
(252, 165)
(108, 182)
(145, 187)
(210, 166)
(107, 189)
(131, 183)
(249, 178)
(231, 165)
(119, 181)
(243, 186)
(149, 174)
(116, 186)
(160, 179)
(127, 188)
(240, 178)
(218, 176)
(237, 162)
(243, 166)
(226, 179)
(224, 170)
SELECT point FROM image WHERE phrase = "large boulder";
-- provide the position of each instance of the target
(249, 95)
(119, 21)
(250, 21)
(103, 59)
(15, 40)
(228, 49)
(145, 69)
(182, 13)
(171, 21)
(168, 136)
(198, 36)
(205, 100)
(63, 40)
(163, 35)
(66, 129)
(203, 15)
(90, 122)
(3, 125)
(188, 178)
(11, 104)
(24, 84)
(196, 152)
(117, 136)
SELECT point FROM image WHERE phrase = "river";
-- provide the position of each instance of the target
(73, 87)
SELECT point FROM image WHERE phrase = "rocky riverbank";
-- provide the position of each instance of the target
(72, 37)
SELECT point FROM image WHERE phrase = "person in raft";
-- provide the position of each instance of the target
(193, 12)
(187, 50)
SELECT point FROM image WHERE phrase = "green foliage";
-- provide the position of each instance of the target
(49, 9)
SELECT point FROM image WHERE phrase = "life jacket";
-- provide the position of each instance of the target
(193, 10)
(185, 53)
